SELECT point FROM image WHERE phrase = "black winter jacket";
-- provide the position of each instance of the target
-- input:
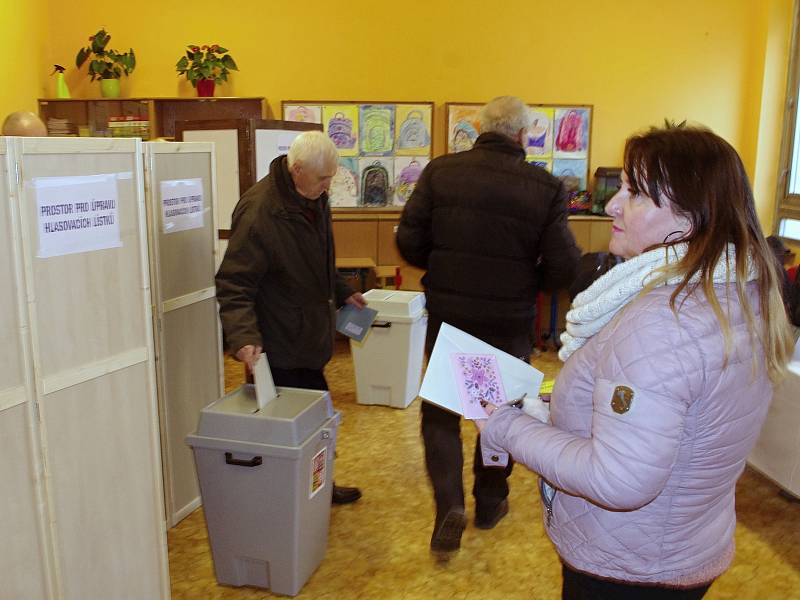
(491, 230)
(277, 286)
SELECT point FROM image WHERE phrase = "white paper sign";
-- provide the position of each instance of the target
(181, 204)
(270, 144)
(76, 214)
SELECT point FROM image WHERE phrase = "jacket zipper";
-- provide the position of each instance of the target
(548, 494)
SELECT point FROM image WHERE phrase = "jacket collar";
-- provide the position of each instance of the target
(293, 200)
(497, 142)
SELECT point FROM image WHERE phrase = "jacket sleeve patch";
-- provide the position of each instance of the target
(622, 399)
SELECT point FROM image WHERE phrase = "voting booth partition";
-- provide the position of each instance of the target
(181, 205)
(26, 563)
(244, 149)
(83, 500)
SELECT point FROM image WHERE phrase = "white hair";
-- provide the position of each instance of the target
(313, 149)
(506, 115)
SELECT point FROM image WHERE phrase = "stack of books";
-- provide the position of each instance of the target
(129, 126)
(61, 127)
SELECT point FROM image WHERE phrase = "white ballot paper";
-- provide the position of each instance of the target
(464, 370)
(265, 387)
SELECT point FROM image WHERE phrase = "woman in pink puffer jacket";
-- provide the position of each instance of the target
(669, 363)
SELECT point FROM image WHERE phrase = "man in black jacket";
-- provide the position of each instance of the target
(277, 287)
(491, 230)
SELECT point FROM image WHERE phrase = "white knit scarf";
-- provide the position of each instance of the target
(593, 308)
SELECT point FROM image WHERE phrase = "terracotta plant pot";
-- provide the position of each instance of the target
(205, 88)
(109, 88)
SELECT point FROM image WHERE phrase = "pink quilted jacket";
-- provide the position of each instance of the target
(645, 494)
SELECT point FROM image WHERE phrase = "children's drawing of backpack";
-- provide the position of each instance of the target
(376, 132)
(302, 114)
(375, 185)
(407, 180)
(340, 130)
(413, 133)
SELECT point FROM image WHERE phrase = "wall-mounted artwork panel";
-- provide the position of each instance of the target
(382, 146)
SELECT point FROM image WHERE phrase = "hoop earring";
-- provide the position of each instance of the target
(670, 234)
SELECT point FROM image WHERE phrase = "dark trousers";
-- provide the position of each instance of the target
(310, 379)
(579, 586)
(441, 434)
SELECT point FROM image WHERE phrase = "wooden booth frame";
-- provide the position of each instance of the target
(190, 373)
(27, 556)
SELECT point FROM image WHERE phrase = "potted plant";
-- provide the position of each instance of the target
(107, 65)
(205, 66)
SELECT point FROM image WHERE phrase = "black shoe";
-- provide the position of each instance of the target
(490, 520)
(344, 495)
(447, 534)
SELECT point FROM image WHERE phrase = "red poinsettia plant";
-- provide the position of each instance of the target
(210, 62)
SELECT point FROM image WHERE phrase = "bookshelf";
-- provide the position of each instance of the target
(148, 118)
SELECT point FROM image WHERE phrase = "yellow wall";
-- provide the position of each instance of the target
(770, 63)
(716, 62)
(22, 31)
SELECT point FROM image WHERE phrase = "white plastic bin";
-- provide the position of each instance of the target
(266, 478)
(388, 364)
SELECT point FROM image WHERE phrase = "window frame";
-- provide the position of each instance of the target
(787, 205)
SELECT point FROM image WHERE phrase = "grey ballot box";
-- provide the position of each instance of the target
(266, 478)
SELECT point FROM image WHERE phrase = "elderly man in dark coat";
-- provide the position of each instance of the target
(277, 287)
(491, 230)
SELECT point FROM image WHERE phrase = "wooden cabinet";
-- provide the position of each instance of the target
(366, 234)
(388, 254)
(154, 117)
(356, 239)
(169, 111)
(592, 233)
(370, 235)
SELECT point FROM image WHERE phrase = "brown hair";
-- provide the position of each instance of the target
(703, 178)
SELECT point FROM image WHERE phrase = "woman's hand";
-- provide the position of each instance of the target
(488, 408)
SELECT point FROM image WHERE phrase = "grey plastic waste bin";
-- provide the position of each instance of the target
(266, 478)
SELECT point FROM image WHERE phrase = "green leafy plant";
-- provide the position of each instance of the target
(107, 63)
(206, 62)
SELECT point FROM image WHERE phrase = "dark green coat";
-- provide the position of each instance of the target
(277, 286)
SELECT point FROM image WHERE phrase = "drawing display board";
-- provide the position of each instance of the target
(25, 565)
(383, 147)
(181, 206)
(84, 247)
(559, 139)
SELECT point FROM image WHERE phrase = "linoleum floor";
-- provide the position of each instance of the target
(378, 547)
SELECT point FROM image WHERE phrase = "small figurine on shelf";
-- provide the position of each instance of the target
(62, 91)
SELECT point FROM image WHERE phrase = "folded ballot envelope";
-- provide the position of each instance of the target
(464, 370)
